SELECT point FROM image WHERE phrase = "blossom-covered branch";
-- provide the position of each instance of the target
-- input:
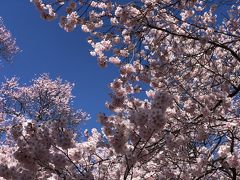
(8, 47)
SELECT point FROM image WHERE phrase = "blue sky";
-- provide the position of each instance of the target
(46, 48)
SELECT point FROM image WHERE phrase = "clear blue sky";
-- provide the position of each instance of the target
(46, 48)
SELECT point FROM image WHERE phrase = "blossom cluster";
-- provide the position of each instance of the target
(46, 11)
(8, 47)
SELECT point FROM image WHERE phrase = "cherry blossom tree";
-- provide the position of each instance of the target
(40, 128)
(175, 103)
